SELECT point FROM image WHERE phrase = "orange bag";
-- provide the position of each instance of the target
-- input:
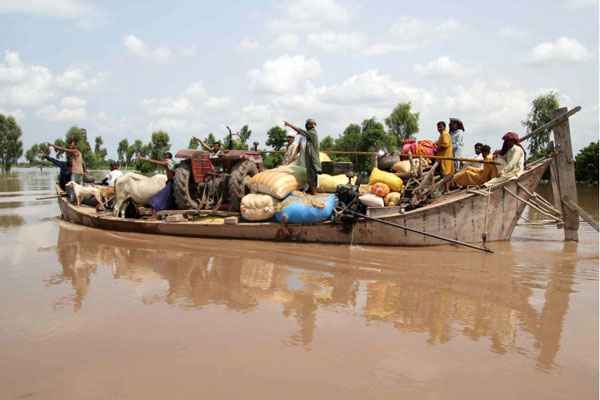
(380, 189)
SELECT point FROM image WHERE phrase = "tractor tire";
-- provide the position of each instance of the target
(237, 182)
(181, 190)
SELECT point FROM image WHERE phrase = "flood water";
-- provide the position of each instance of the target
(88, 314)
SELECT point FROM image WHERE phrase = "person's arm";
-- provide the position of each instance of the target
(298, 130)
(63, 149)
(156, 162)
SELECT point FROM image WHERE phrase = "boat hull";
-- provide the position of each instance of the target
(461, 216)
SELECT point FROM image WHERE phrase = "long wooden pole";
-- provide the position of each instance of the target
(586, 217)
(561, 115)
(449, 240)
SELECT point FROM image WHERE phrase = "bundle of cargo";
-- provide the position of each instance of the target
(279, 182)
(301, 208)
(258, 207)
(329, 183)
(419, 147)
(394, 182)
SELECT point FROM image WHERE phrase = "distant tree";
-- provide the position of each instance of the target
(11, 146)
(159, 144)
(327, 143)
(32, 154)
(122, 149)
(542, 111)
(402, 122)
(245, 134)
(194, 143)
(99, 153)
(210, 139)
(276, 138)
(586, 163)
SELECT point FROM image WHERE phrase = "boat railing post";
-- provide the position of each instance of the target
(565, 175)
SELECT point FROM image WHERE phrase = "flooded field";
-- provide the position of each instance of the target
(89, 314)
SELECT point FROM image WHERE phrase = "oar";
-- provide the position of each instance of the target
(54, 196)
(453, 241)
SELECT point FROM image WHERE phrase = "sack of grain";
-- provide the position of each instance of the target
(380, 189)
(300, 208)
(329, 183)
(394, 182)
(371, 200)
(324, 157)
(257, 207)
(279, 182)
(392, 199)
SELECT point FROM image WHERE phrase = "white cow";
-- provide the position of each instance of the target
(136, 187)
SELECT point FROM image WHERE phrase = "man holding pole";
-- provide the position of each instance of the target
(311, 152)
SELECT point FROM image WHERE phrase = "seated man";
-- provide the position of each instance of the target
(475, 176)
(111, 177)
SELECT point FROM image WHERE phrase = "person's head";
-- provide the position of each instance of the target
(168, 155)
(508, 141)
(456, 124)
(113, 166)
(72, 143)
(310, 123)
(441, 126)
(290, 139)
(485, 150)
(478, 147)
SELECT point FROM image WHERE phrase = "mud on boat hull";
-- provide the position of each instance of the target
(460, 216)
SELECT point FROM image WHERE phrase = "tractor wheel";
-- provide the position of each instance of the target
(238, 180)
(182, 185)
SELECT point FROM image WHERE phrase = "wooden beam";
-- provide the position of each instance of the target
(560, 115)
(576, 208)
(565, 166)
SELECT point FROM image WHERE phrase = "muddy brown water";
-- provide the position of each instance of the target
(88, 314)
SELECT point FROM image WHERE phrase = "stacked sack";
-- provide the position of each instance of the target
(419, 148)
(329, 183)
(385, 188)
(279, 182)
(258, 207)
(301, 208)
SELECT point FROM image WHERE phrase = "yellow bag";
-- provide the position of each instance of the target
(394, 182)
(329, 183)
(279, 182)
(324, 157)
(257, 207)
(392, 199)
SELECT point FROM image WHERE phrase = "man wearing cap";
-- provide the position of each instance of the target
(311, 152)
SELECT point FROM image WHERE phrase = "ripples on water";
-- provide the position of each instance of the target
(96, 314)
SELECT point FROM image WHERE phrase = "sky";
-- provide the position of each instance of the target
(125, 69)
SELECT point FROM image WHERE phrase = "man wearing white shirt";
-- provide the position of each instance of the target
(112, 176)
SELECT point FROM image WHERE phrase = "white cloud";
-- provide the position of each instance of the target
(73, 102)
(562, 50)
(30, 85)
(410, 33)
(159, 54)
(64, 114)
(337, 41)
(310, 15)
(442, 67)
(52, 8)
(286, 41)
(249, 44)
(285, 74)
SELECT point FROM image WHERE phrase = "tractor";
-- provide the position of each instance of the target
(213, 179)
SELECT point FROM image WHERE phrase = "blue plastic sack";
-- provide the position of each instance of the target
(298, 210)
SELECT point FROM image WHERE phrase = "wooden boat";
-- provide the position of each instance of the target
(463, 216)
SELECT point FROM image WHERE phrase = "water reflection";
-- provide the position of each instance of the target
(475, 297)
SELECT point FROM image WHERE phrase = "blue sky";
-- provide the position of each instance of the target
(124, 69)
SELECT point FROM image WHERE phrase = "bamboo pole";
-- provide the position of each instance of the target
(576, 208)
(530, 204)
(553, 122)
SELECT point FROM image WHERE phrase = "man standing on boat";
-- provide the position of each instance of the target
(76, 160)
(311, 152)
